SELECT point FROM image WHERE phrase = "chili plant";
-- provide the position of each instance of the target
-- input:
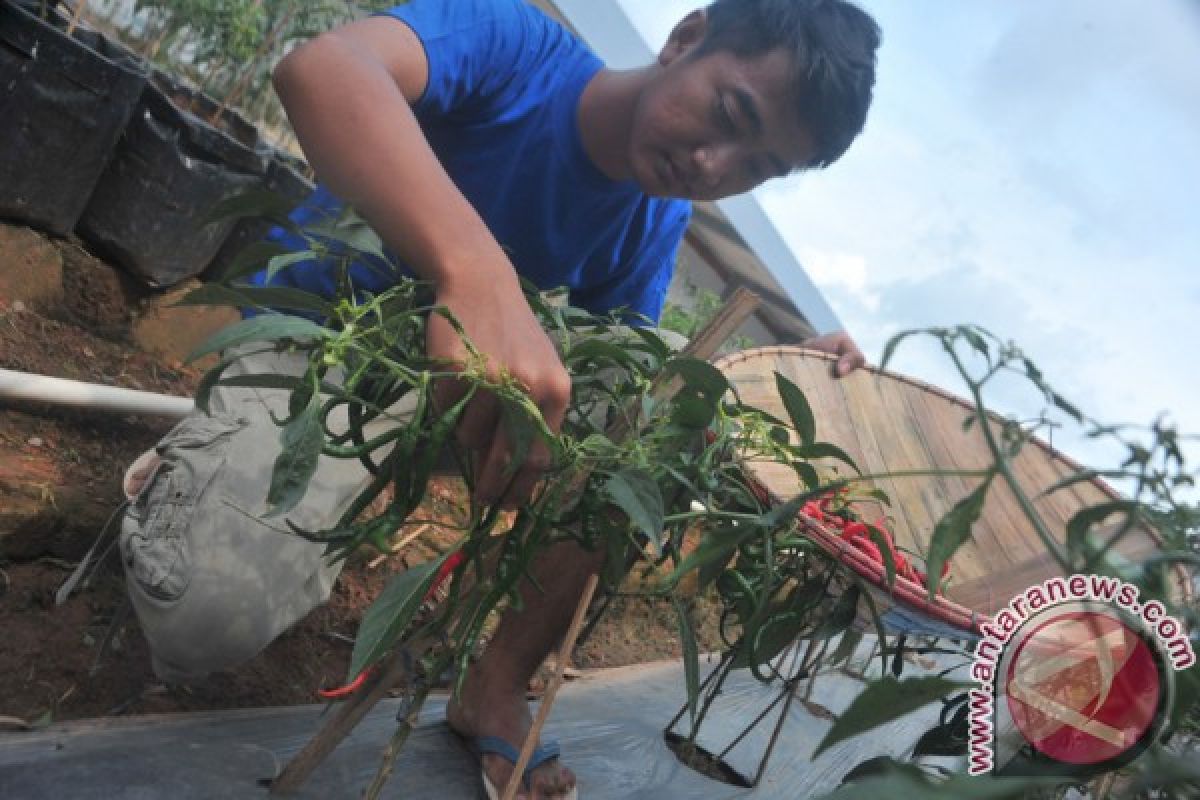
(634, 468)
(650, 451)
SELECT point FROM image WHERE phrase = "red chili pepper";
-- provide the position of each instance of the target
(349, 688)
(868, 547)
(854, 530)
(444, 572)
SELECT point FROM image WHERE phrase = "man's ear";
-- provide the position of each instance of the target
(688, 33)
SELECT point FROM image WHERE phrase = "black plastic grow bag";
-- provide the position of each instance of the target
(63, 104)
(148, 212)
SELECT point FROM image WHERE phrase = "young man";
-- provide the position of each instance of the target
(482, 141)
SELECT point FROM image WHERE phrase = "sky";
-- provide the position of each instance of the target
(1031, 167)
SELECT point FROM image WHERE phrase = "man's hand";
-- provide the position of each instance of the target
(841, 345)
(498, 321)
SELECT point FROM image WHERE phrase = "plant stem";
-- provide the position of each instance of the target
(564, 655)
(1002, 466)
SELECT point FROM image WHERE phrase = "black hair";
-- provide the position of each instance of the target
(832, 44)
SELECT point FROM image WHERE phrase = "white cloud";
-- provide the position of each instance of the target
(840, 270)
(1031, 167)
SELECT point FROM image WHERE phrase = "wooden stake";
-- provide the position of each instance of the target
(564, 656)
(76, 15)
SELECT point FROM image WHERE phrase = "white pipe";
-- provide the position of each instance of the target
(77, 394)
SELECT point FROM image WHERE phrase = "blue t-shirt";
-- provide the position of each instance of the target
(500, 111)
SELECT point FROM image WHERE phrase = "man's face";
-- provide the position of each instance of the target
(716, 125)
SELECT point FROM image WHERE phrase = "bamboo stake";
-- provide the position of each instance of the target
(76, 16)
(564, 654)
(705, 345)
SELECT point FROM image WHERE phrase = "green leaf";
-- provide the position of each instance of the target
(716, 547)
(885, 700)
(798, 409)
(691, 410)
(597, 349)
(889, 349)
(1083, 521)
(300, 449)
(389, 616)
(252, 258)
(352, 231)
(977, 342)
(215, 294)
(699, 375)
(909, 781)
(826, 450)
(657, 347)
(885, 553)
(952, 531)
(289, 383)
(209, 380)
(1066, 407)
(262, 328)
(285, 260)
(253, 203)
(636, 493)
(520, 430)
(691, 655)
(696, 403)
(777, 632)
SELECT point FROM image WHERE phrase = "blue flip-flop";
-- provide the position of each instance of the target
(494, 745)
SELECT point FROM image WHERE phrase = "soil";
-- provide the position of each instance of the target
(60, 475)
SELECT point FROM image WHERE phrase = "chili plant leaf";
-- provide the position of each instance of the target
(883, 701)
(215, 294)
(773, 637)
(827, 450)
(210, 379)
(300, 448)
(885, 553)
(695, 404)
(1066, 407)
(391, 613)
(253, 203)
(266, 381)
(1080, 476)
(716, 548)
(286, 260)
(263, 328)
(799, 411)
(252, 258)
(1080, 524)
(352, 232)
(977, 342)
(889, 349)
(636, 493)
(691, 654)
(952, 531)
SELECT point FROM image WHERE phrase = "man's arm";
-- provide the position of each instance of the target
(348, 94)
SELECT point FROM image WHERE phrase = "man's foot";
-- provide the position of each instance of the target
(505, 715)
